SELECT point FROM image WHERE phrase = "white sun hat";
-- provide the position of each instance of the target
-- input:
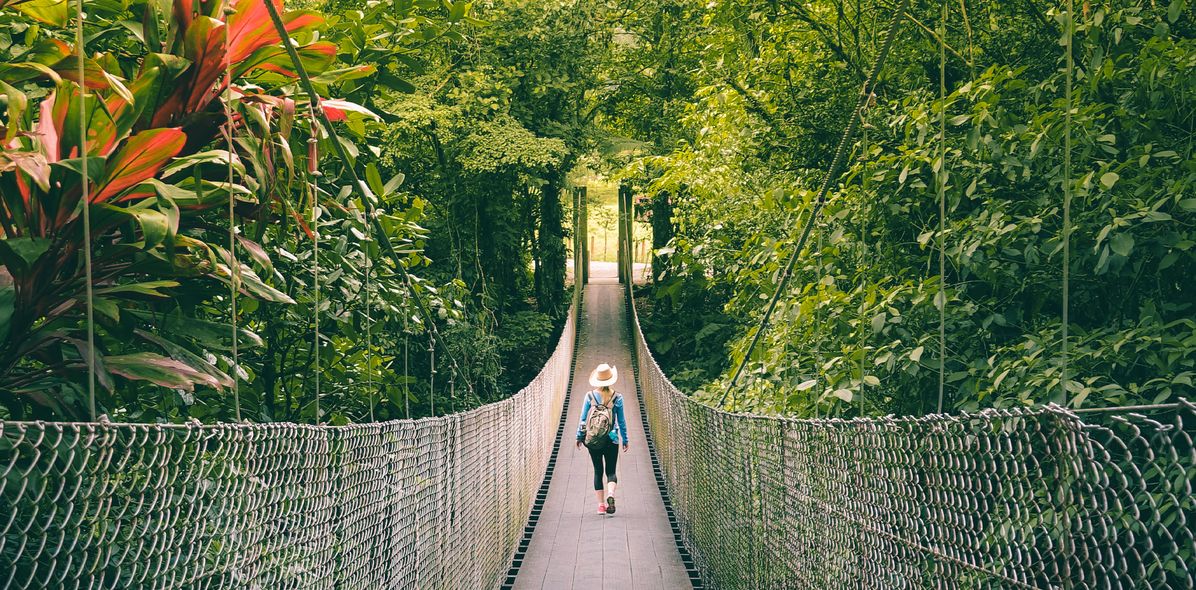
(604, 376)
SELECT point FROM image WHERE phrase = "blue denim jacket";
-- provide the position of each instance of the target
(620, 427)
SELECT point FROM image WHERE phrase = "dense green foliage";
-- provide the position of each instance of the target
(857, 330)
(463, 147)
(466, 119)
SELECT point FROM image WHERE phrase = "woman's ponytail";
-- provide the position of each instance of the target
(608, 394)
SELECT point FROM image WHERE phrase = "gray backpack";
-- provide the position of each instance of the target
(600, 422)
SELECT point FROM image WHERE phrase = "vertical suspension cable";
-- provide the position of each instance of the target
(862, 256)
(967, 24)
(234, 269)
(817, 317)
(432, 373)
(941, 187)
(1068, 548)
(406, 361)
(313, 170)
(369, 323)
(86, 202)
(1067, 98)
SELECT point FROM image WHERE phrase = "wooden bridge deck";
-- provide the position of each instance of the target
(573, 547)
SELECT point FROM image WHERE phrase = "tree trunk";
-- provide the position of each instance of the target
(662, 230)
(550, 246)
(623, 257)
(533, 220)
(269, 375)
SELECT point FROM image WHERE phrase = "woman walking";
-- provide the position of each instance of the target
(602, 425)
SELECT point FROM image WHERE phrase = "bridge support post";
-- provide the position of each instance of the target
(578, 238)
(625, 216)
(584, 248)
(619, 233)
(627, 237)
(630, 237)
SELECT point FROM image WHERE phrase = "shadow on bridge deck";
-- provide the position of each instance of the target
(573, 547)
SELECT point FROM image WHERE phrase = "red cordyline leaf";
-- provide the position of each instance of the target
(205, 48)
(48, 124)
(183, 11)
(106, 138)
(338, 110)
(159, 370)
(50, 51)
(277, 69)
(298, 218)
(141, 157)
(94, 77)
(249, 29)
(315, 56)
(25, 190)
(51, 127)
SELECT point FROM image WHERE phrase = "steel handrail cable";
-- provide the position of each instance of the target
(116, 505)
(1025, 497)
(105, 505)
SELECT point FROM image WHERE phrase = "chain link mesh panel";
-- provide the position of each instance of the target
(431, 503)
(1034, 498)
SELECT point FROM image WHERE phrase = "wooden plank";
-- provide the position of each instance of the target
(573, 547)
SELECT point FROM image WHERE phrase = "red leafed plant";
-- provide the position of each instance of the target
(156, 184)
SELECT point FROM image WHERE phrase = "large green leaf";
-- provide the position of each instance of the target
(1122, 243)
(18, 102)
(212, 335)
(147, 288)
(8, 296)
(252, 284)
(20, 254)
(50, 12)
(156, 226)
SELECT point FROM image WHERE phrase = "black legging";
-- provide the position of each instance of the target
(611, 455)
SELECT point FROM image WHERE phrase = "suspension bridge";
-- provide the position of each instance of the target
(497, 497)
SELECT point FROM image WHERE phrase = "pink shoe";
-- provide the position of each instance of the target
(602, 509)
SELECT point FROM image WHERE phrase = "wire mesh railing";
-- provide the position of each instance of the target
(431, 503)
(1032, 498)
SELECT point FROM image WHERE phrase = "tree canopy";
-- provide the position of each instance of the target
(856, 331)
(232, 270)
